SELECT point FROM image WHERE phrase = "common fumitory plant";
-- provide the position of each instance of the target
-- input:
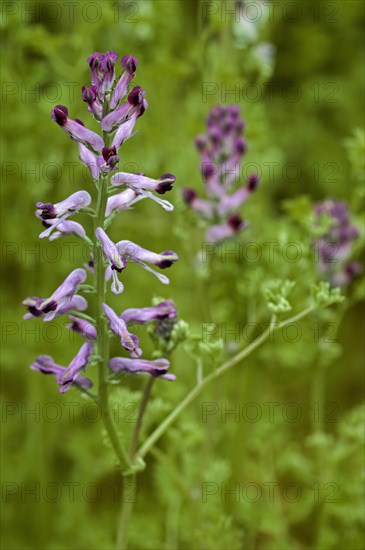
(117, 110)
(116, 106)
(222, 149)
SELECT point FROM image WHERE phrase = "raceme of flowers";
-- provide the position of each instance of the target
(221, 150)
(334, 248)
(117, 108)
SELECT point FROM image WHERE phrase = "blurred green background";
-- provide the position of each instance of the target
(296, 69)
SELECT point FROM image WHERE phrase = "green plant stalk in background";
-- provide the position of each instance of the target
(148, 445)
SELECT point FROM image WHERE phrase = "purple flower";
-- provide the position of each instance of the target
(144, 315)
(33, 303)
(63, 228)
(66, 377)
(139, 182)
(99, 164)
(86, 329)
(122, 201)
(335, 247)
(54, 214)
(76, 129)
(232, 227)
(116, 261)
(221, 151)
(135, 104)
(143, 185)
(201, 206)
(90, 160)
(102, 71)
(232, 202)
(118, 326)
(157, 368)
(129, 64)
(140, 256)
(62, 295)
(90, 96)
(124, 131)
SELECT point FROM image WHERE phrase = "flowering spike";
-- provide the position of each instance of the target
(117, 120)
(334, 247)
(221, 151)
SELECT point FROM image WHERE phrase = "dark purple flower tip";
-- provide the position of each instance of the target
(166, 183)
(353, 268)
(234, 111)
(227, 127)
(155, 373)
(201, 143)
(235, 221)
(95, 59)
(113, 161)
(171, 259)
(59, 114)
(189, 195)
(122, 264)
(109, 60)
(253, 181)
(34, 311)
(215, 115)
(89, 94)
(240, 126)
(49, 307)
(135, 97)
(129, 63)
(240, 146)
(48, 210)
(108, 152)
(208, 169)
(215, 135)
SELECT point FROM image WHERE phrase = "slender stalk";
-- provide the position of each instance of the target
(197, 390)
(127, 510)
(142, 409)
(128, 504)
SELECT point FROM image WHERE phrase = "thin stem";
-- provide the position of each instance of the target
(127, 509)
(197, 390)
(142, 409)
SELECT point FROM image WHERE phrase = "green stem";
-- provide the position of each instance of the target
(127, 509)
(142, 409)
(197, 390)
